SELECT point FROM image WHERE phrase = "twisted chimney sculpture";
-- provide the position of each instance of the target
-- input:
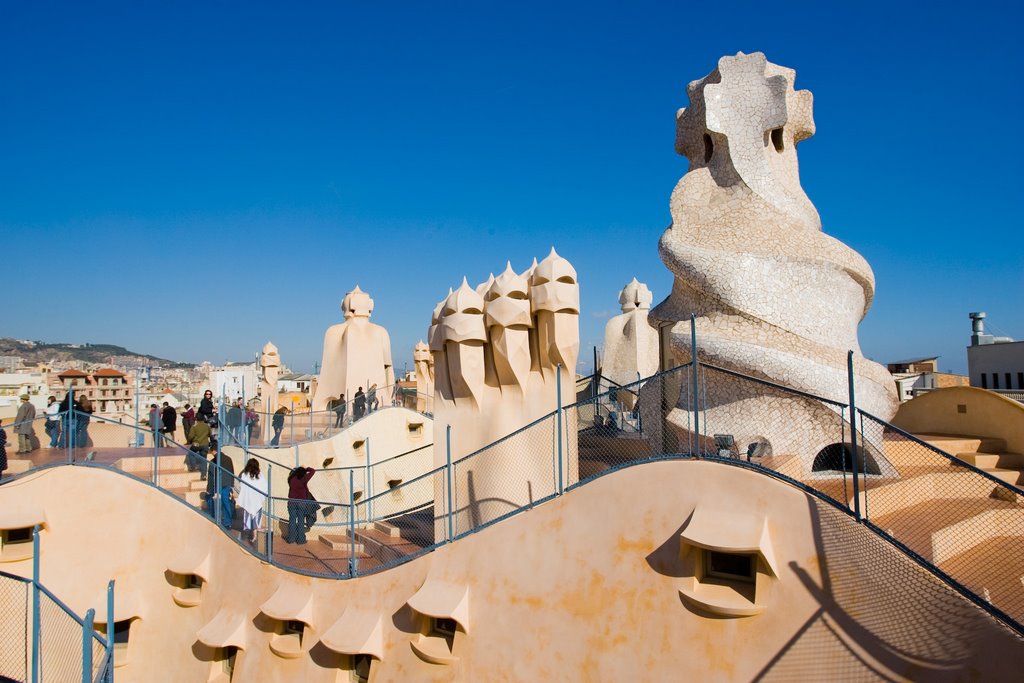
(774, 296)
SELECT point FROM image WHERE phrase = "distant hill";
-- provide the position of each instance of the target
(42, 352)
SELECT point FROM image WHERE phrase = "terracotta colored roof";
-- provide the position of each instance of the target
(108, 372)
(72, 373)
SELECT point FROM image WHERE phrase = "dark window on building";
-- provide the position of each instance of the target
(995, 380)
(729, 565)
(1020, 380)
(1009, 384)
(984, 381)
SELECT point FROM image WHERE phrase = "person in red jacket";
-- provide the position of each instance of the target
(299, 503)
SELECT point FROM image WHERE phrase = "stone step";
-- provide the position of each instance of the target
(980, 460)
(341, 542)
(1007, 475)
(176, 479)
(143, 464)
(17, 466)
(964, 444)
(383, 546)
(388, 529)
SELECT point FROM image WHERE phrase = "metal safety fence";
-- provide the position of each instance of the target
(43, 639)
(960, 521)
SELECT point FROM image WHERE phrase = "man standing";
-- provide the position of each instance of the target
(53, 421)
(154, 423)
(23, 426)
(169, 417)
(358, 405)
(188, 419)
(340, 408)
(234, 421)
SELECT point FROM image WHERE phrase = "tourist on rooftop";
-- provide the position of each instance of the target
(199, 445)
(340, 407)
(278, 424)
(23, 426)
(188, 419)
(372, 402)
(206, 406)
(169, 417)
(222, 490)
(82, 418)
(233, 419)
(53, 421)
(251, 489)
(3, 449)
(358, 405)
(252, 422)
(154, 423)
(299, 503)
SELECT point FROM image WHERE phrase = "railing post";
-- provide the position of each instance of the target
(137, 443)
(352, 523)
(369, 484)
(853, 437)
(87, 628)
(110, 630)
(558, 396)
(71, 423)
(448, 457)
(270, 513)
(218, 503)
(36, 611)
(695, 407)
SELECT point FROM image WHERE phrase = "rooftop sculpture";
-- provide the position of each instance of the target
(773, 295)
(357, 353)
(630, 343)
(498, 352)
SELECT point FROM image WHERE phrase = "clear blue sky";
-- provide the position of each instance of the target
(193, 180)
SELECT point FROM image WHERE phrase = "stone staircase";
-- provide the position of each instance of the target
(376, 543)
(987, 454)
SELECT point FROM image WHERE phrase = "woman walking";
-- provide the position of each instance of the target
(251, 494)
(298, 503)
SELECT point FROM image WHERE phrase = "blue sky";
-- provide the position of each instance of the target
(191, 180)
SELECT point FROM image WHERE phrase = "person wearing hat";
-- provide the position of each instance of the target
(23, 426)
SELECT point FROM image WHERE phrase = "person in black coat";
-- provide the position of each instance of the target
(169, 417)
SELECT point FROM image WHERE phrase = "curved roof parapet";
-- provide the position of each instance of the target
(227, 629)
(730, 532)
(291, 602)
(443, 600)
(196, 560)
(22, 517)
(356, 632)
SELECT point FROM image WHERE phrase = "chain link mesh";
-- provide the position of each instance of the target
(15, 608)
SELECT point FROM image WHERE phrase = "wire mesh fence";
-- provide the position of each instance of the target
(51, 645)
(967, 522)
(15, 615)
(963, 520)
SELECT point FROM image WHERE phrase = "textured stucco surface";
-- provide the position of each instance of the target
(585, 587)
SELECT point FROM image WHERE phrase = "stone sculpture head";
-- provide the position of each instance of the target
(507, 302)
(357, 304)
(421, 353)
(743, 124)
(270, 358)
(635, 296)
(553, 286)
(462, 317)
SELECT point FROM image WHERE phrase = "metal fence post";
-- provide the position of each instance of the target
(558, 396)
(369, 484)
(71, 422)
(36, 612)
(351, 523)
(448, 456)
(270, 513)
(218, 503)
(110, 630)
(853, 437)
(696, 394)
(87, 627)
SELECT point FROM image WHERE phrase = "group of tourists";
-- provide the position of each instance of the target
(362, 404)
